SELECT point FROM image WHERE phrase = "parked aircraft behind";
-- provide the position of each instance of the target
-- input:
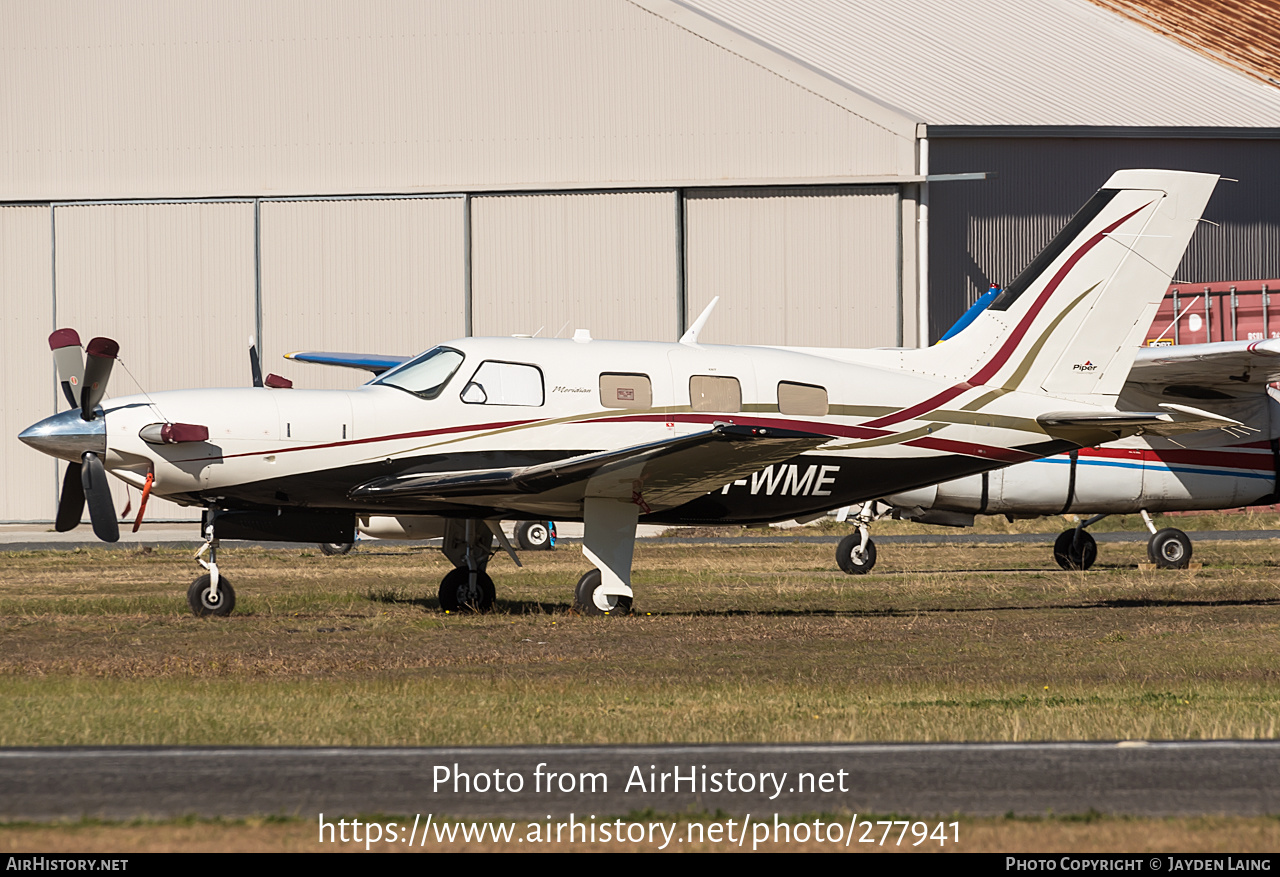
(1215, 469)
(612, 433)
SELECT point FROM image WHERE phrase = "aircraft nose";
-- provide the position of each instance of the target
(67, 435)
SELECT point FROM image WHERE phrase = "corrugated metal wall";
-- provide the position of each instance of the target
(155, 99)
(172, 283)
(366, 276)
(26, 319)
(984, 232)
(550, 264)
(805, 267)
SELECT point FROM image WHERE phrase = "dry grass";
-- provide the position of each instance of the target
(767, 643)
(759, 644)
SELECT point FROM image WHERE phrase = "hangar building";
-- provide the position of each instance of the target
(382, 176)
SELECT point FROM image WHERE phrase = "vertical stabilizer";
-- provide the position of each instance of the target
(1071, 323)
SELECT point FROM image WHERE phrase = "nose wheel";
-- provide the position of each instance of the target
(206, 601)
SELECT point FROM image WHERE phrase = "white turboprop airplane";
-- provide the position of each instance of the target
(1215, 469)
(612, 433)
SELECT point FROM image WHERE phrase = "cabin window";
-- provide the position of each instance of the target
(710, 393)
(425, 376)
(807, 400)
(626, 391)
(504, 383)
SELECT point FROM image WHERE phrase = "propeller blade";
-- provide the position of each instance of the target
(71, 502)
(97, 370)
(69, 358)
(102, 512)
(255, 364)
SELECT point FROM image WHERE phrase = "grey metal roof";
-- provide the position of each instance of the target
(1003, 62)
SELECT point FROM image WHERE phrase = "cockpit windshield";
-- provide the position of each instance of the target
(425, 376)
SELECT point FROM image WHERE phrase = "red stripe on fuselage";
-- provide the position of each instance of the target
(1233, 458)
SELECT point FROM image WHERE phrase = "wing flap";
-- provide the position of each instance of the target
(659, 474)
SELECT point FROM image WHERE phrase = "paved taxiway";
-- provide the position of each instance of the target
(1141, 779)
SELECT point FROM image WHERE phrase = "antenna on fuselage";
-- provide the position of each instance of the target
(691, 335)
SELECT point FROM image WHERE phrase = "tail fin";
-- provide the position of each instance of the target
(1072, 322)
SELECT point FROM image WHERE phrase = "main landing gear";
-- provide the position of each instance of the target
(469, 545)
(609, 542)
(536, 535)
(1169, 548)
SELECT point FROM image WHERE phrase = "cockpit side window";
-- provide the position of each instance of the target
(504, 383)
(425, 376)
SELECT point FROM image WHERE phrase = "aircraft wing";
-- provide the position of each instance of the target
(374, 362)
(657, 475)
(1223, 364)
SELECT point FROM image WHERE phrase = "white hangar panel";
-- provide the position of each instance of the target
(172, 283)
(605, 262)
(795, 267)
(29, 477)
(364, 276)
(152, 98)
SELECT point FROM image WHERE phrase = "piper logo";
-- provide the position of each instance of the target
(1084, 367)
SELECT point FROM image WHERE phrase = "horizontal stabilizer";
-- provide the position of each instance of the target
(656, 474)
(1174, 420)
(372, 362)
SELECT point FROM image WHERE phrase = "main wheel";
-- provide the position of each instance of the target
(1170, 548)
(853, 557)
(222, 602)
(335, 548)
(1075, 554)
(588, 600)
(457, 593)
(536, 535)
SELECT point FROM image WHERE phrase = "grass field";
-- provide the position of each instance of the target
(760, 643)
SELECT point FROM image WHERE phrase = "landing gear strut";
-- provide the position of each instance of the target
(608, 541)
(210, 594)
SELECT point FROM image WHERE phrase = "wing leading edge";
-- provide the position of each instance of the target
(372, 362)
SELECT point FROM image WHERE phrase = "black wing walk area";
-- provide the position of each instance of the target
(664, 473)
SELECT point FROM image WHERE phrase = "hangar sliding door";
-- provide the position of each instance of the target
(371, 275)
(812, 267)
(550, 264)
(172, 283)
(29, 477)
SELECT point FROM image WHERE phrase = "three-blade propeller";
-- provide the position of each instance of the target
(84, 376)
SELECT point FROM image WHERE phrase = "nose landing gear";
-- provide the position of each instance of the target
(210, 594)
